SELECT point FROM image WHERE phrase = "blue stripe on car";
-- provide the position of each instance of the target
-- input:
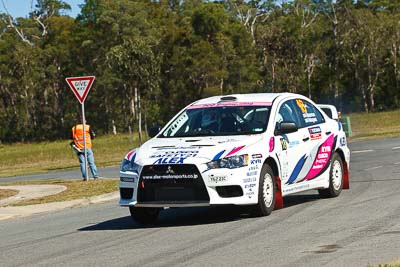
(296, 170)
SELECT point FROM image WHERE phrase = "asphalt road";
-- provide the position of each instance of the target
(108, 172)
(360, 227)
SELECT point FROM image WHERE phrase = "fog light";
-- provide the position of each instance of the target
(126, 179)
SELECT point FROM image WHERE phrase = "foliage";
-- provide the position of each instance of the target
(151, 58)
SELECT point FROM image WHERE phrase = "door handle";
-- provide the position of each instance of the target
(328, 132)
(305, 139)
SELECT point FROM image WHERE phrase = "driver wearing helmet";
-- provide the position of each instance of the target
(209, 120)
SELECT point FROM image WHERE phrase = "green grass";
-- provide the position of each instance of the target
(42, 157)
(375, 125)
(76, 189)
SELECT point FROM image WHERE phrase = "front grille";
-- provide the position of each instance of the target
(171, 183)
(126, 193)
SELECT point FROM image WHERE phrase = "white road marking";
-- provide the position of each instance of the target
(373, 168)
(397, 163)
(396, 147)
(361, 151)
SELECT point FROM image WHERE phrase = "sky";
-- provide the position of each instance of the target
(21, 8)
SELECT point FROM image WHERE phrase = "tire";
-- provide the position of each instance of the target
(336, 175)
(266, 193)
(144, 215)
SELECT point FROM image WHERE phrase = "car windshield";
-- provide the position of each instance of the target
(218, 120)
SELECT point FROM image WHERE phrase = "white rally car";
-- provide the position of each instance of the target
(244, 149)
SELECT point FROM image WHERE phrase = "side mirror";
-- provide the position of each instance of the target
(154, 130)
(286, 127)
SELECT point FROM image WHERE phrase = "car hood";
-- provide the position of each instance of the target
(192, 150)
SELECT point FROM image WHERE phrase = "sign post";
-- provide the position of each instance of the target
(81, 86)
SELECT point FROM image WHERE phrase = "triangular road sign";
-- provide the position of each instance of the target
(80, 86)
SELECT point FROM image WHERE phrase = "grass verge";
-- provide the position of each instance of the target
(366, 126)
(6, 193)
(76, 189)
(32, 158)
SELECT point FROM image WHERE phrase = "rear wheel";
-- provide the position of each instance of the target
(335, 178)
(266, 192)
(144, 215)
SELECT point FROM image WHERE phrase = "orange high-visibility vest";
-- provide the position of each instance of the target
(77, 135)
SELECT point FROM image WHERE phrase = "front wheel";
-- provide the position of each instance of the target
(144, 215)
(266, 192)
(336, 174)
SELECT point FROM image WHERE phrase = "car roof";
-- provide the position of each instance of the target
(256, 97)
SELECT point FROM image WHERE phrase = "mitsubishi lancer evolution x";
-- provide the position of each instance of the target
(242, 149)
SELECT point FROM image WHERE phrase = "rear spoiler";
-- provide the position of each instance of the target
(330, 110)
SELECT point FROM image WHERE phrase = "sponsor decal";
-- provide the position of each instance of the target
(271, 144)
(176, 160)
(227, 141)
(253, 168)
(322, 158)
(310, 120)
(251, 173)
(283, 144)
(173, 157)
(343, 141)
(177, 147)
(301, 105)
(255, 161)
(256, 156)
(295, 188)
(170, 176)
(216, 178)
(179, 122)
(293, 143)
(229, 104)
(177, 153)
(310, 117)
(250, 194)
(249, 186)
(249, 180)
(315, 133)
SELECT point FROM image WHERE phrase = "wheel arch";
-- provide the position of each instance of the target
(278, 193)
(346, 182)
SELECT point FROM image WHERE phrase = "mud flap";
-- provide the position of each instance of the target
(346, 182)
(278, 194)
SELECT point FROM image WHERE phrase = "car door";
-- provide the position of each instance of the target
(292, 150)
(319, 143)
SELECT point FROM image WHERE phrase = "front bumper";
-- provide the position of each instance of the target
(214, 187)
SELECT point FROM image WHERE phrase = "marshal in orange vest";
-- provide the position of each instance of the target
(77, 136)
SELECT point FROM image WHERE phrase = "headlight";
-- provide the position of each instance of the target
(230, 163)
(127, 165)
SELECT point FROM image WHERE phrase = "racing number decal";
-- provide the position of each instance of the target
(284, 144)
(301, 105)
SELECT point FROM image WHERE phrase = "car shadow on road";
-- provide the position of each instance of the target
(195, 216)
(176, 218)
(299, 199)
